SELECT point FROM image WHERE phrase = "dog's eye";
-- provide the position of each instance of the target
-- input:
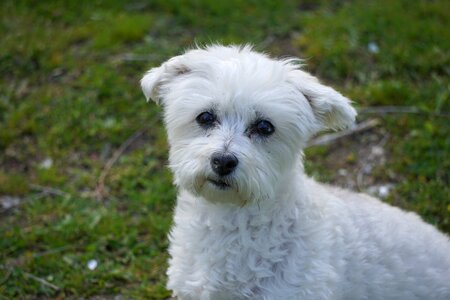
(206, 119)
(264, 128)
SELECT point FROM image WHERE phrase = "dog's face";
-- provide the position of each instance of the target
(237, 120)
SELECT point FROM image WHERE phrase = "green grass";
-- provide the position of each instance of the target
(69, 95)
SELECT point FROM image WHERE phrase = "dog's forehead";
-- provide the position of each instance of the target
(236, 80)
(236, 64)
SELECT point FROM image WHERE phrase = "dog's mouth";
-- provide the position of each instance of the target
(223, 185)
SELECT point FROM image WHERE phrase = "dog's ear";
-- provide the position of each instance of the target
(330, 108)
(155, 78)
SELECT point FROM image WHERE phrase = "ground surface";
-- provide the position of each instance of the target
(70, 99)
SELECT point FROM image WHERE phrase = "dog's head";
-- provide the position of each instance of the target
(237, 120)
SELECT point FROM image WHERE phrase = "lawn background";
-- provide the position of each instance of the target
(70, 100)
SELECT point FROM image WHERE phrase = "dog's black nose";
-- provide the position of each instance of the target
(223, 164)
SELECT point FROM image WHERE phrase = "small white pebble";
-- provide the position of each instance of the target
(92, 264)
(46, 163)
(343, 172)
(383, 191)
(7, 202)
(377, 151)
(373, 48)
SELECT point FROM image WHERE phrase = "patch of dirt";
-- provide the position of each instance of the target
(358, 162)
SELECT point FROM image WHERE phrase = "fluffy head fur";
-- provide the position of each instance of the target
(258, 228)
(240, 87)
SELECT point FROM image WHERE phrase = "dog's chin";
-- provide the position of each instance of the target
(219, 184)
(217, 190)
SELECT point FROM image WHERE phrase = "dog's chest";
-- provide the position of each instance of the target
(238, 252)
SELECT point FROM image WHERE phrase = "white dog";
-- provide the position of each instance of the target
(249, 224)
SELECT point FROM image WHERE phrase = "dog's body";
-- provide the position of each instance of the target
(248, 223)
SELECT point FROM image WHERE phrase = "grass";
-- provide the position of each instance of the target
(69, 98)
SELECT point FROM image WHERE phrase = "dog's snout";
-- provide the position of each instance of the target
(223, 164)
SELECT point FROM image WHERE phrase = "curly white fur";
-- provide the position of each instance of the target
(274, 233)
